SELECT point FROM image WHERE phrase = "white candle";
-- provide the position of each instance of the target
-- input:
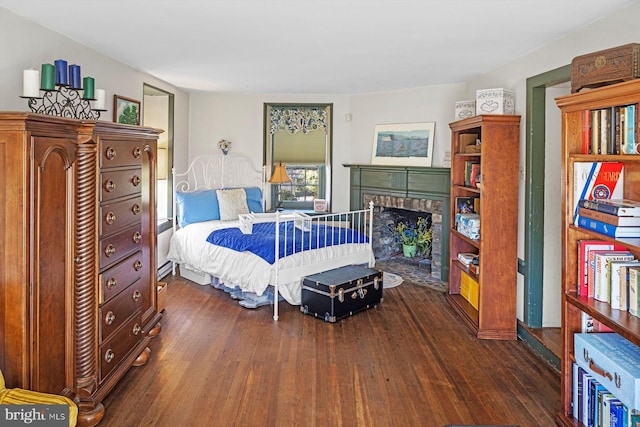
(98, 104)
(31, 83)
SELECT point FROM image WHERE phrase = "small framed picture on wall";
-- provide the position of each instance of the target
(126, 110)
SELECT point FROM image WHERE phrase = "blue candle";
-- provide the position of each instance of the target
(74, 73)
(62, 76)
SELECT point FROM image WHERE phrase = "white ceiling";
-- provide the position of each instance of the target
(313, 46)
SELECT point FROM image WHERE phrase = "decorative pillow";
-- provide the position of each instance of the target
(254, 199)
(232, 203)
(197, 206)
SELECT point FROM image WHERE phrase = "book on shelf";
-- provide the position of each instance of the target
(468, 171)
(586, 132)
(589, 324)
(620, 283)
(634, 278)
(591, 274)
(584, 248)
(621, 221)
(630, 130)
(611, 130)
(613, 206)
(596, 181)
(608, 229)
(474, 179)
(467, 258)
(595, 132)
(602, 285)
(605, 131)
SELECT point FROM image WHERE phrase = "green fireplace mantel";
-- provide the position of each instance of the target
(431, 183)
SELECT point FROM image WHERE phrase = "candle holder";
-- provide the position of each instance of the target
(63, 102)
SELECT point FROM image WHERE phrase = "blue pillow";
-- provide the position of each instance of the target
(254, 199)
(197, 206)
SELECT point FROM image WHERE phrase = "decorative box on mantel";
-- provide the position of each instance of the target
(495, 101)
(465, 109)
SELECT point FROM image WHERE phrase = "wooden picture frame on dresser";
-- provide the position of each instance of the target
(78, 250)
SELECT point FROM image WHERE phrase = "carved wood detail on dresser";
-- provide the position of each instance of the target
(78, 250)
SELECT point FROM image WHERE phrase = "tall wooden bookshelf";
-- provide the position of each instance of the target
(498, 154)
(573, 305)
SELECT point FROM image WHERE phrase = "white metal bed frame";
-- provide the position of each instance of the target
(232, 171)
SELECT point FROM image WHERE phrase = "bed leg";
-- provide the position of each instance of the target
(275, 305)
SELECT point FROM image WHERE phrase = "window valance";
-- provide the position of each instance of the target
(296, 119)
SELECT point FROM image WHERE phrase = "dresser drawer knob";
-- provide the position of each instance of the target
(137, 152)
(109, 318)
(110, 218)
(111, 153)
(110, 250)
(109, 356)
(136, 296)
(137, 265)
(135, 180)
(136, 209)
(137, 237)
(111, 283)
(136, 329)
(109, 185)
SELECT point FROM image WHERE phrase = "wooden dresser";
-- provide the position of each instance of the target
(78, 253)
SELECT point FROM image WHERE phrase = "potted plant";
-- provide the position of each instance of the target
(415, 238)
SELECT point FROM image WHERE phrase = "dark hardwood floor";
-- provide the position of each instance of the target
(409, 362)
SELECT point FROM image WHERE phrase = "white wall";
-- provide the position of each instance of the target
(24, 45)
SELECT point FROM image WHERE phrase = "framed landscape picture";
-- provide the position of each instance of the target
(403, 144)
(126, 110)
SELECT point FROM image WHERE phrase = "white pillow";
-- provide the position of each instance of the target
(232, 203)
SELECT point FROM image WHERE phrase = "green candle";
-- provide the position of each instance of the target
(48, 77)
(88, 85)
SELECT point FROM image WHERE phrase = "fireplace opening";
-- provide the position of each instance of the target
(387, 209)
(399, 225)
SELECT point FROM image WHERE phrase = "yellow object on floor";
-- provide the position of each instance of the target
(19, 396)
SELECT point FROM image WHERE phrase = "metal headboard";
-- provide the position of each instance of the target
(214, 172)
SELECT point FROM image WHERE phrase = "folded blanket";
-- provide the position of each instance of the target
(292, 239)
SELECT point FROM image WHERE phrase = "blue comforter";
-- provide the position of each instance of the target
(262, 241)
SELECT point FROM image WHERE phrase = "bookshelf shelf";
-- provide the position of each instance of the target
(574, 108)
(495, 316)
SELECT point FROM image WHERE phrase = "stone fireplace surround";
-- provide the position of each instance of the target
(433, 207)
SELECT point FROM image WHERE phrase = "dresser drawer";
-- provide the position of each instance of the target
(115, 312)
(119, 152)
(120, 345)
(120, 183)
(116, 247)
(118, 277)
(114, 216)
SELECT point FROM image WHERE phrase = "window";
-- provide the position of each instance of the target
(298, 137)
(158, 113)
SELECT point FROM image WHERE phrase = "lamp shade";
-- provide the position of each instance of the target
(280, 175)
